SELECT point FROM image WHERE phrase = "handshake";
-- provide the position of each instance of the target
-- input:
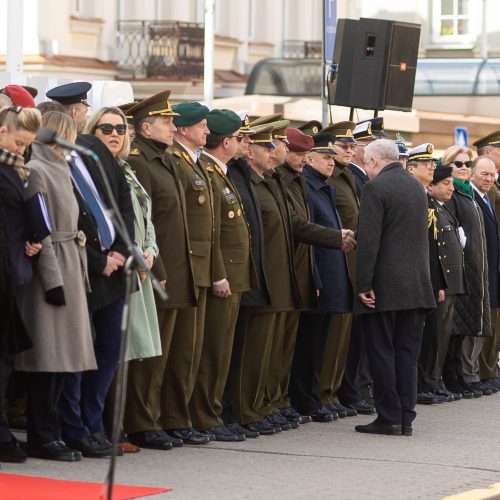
(348, 240)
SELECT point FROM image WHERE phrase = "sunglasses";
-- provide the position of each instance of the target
(461, 164)
(107, 128)
(346, 147)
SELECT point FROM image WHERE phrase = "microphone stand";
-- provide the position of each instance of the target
(134, 260)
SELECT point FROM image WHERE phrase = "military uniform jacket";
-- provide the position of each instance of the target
(360, 178)
(296, 192)
(232, 236)
(200, 216)
(158, 175)
(445, 251)
(240, 174)
(343, 181)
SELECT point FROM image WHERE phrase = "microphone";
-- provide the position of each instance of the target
(48, 136)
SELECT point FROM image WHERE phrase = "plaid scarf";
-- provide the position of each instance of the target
(16, 161)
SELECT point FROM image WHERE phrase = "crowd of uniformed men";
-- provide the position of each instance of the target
(251, 227)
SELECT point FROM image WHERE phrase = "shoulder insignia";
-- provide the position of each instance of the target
(176, 153)
(219, 170)
(186, 157)
(209, 167)
(135, 152)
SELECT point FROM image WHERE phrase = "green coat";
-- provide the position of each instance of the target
(200, 216)
(144, 340)
(347, 204)
(297, 198)
(156, 171)
(232, 237)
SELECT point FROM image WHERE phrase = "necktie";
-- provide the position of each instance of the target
(93, 205)
(488, 203)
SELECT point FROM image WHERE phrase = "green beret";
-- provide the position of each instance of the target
(190, 113)
(223, 121)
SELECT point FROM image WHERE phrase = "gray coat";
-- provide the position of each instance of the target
(393, 248)
(61, 335)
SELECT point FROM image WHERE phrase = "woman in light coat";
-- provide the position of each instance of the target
(55, 305)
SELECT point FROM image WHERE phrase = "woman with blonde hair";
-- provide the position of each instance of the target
(55, 304)
(471, 316)
(110, 126)
(18, 127)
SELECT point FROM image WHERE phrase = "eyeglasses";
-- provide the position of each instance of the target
(427, 164)
(345, 146)
(460, 164)
(107, 128)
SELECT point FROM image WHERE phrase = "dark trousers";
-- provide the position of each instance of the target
(5, 372)
(393, 341)
(44, 393)
(348, 392)
(240, 332)
(308, 360)
(84, 393)
(452, 370)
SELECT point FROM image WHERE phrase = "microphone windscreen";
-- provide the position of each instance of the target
(46, 135)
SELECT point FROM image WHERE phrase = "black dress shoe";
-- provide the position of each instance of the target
(56, 450)
(222, 433)
(375, 428)
(262, 427)
(426, 398)
(281, 422)
(349, 411)
(189, 436)
(453, 396)
(484, 389)
(467, 388)
(363, 408)
(100, 438)
(153, 440)
(406, 430)
(305, 419)
(90, 448)
(290, 414)
(335, 411)
(323, 415)
(11, 452)
(243, 431)
(491, 385)
(492, 382)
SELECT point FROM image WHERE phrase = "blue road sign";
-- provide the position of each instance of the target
(461, 136)
(329, 28)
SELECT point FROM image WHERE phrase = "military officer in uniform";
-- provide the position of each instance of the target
(73, 96)
(448, 280)
(312, 127)
(232, 250)
(363, 136)
(155, 169)
(182, 366)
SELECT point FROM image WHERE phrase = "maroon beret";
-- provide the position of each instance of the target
(298, 141)
(19, 96)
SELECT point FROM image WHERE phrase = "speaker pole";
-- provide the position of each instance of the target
(351, 114)
(375, 113)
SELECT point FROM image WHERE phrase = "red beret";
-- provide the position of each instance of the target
(299, 142)
(19, 96)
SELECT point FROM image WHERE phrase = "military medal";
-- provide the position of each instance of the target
(238, 212)
(230, 214)
(201, 199)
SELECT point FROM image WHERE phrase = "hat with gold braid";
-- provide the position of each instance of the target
(422, 152)
(156, 105)
(324, 143)
(245, 122)
(342, 131)
(266, 119)
(279, 130)
(492, 139)
(263, 136)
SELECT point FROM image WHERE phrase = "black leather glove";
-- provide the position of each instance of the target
(55, 296)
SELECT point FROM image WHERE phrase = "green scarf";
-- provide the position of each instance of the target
(464, 187)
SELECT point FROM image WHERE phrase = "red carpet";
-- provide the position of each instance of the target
(17, 487)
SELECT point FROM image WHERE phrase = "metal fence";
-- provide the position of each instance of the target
(152, 49)
(301, 49)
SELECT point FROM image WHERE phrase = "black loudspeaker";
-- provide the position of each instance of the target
(383, 65)
(343, 56)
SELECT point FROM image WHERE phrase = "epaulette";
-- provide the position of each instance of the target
(176, 153)
(135, 152)
(219, 170)
(209, 167)
(186, 157)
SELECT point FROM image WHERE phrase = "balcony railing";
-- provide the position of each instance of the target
(153, 49)
(300, 49)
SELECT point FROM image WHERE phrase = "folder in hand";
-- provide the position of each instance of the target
(37, 217)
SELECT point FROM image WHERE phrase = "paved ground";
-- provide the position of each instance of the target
(455, 447)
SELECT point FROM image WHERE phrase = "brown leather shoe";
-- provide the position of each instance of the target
(128, 447)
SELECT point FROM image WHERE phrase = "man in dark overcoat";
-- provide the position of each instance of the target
(393, 286)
